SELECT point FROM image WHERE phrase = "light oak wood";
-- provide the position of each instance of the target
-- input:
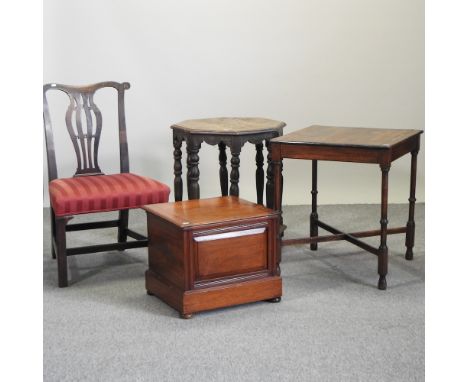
(229, 125)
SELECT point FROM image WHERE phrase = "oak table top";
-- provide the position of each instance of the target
(347, 136)
(346, 144)
(229, 126)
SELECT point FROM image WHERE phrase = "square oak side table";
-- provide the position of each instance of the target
(211, 253)
(346, 144)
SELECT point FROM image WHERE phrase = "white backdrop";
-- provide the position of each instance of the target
(337, 62)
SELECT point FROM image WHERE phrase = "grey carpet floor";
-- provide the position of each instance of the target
(333, 324)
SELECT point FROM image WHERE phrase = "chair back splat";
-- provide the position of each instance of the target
(84, 130)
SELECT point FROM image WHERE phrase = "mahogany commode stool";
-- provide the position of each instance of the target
(212, 253)
(230, 132)
(362, 145)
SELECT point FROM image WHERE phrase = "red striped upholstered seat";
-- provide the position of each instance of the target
(81, 195)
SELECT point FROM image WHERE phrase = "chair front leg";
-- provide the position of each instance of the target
(52, 232)
(61, 250)
(123, 226)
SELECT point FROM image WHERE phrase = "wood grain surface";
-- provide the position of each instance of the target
(229, 125)
(347, 136)
(205, 211)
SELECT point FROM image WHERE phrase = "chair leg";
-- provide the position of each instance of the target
(52, 232)
(123, 226)
(61, 247)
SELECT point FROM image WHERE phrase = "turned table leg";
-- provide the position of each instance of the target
(259, 174)
(277, 204)
(193, 173)
(410, 226)
(314, 215)
(178, 184)
(270, 188)
(235, 162)
(223, 172)
(383, 249)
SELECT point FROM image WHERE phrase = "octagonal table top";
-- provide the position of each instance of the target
(229, 125)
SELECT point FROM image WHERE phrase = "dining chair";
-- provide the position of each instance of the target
(89, 190)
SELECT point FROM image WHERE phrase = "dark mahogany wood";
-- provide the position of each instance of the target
(178, 182)
(60, 247)
(122, 232)
(193, 173)
(349, 238)
(53, 233)
(361, 145)
(341, 236)
(234, 176)
(225, 132)
(84, 123)
(212, 253)
(223, 171)
(259, 174)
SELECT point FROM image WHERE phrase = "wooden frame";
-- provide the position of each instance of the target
(86, 147)
(212, 253)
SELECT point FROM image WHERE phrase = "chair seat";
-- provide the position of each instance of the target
(100, 193)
